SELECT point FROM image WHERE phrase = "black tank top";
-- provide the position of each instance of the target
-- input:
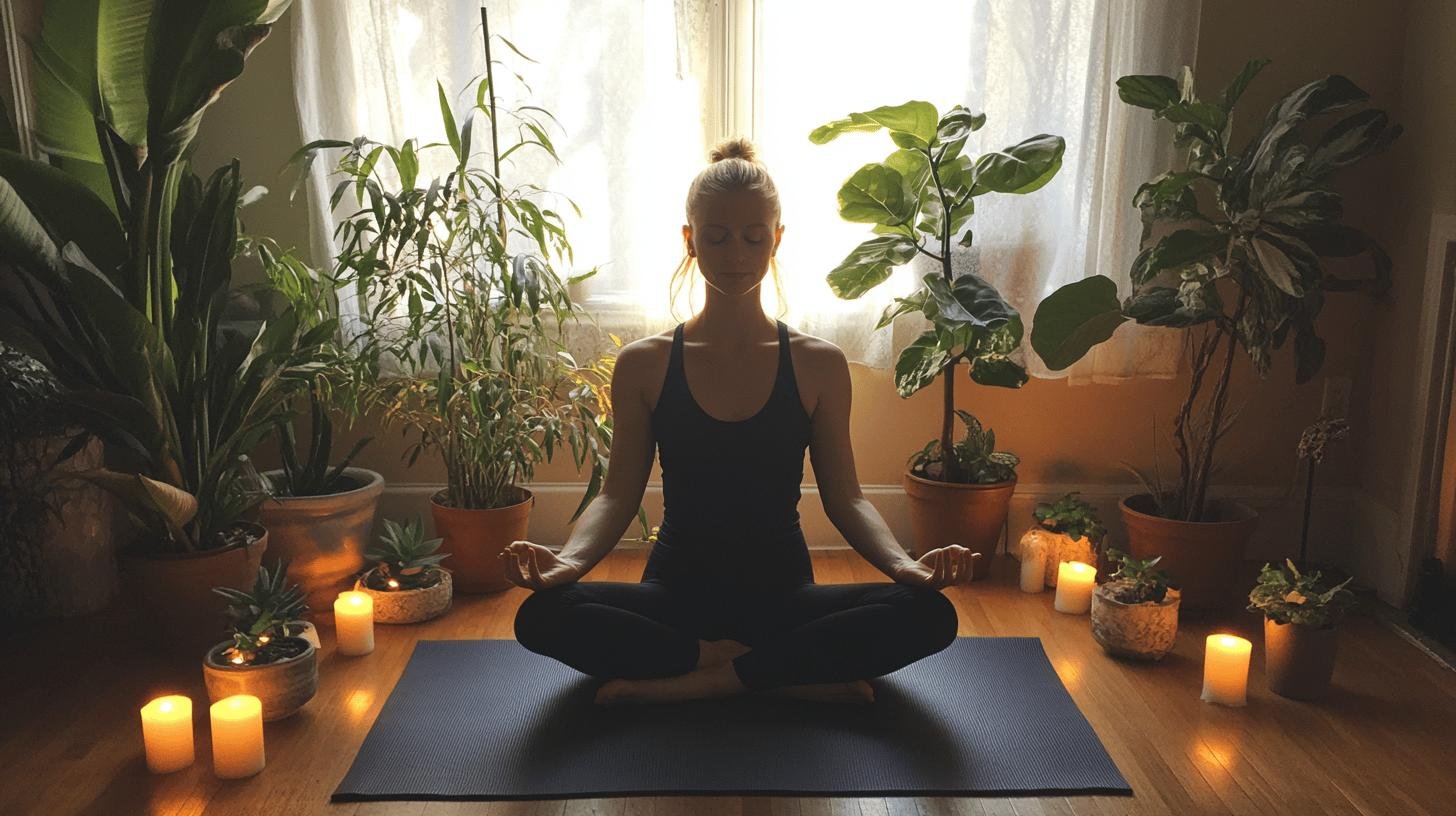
(730, 489)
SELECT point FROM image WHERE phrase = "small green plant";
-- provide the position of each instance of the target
(406, 559)
(261, 618)
(1072, 517)
(1137, 580)
(1295, 597)
(313, 476)
(975, 456)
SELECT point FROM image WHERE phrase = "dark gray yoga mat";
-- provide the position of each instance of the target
(490, 719)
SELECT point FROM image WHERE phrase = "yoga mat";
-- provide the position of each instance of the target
(490, 719)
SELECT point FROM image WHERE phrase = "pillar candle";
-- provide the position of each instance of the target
(167, 733)
(1075, 582)
(1226, 669)
(354, 623)
(237, 736)
(1033, 564)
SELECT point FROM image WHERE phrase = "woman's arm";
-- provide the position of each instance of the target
(602, 523)
(833, 461)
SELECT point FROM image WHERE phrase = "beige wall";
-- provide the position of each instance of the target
(1398, 52)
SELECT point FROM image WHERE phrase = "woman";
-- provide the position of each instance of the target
(727, 602)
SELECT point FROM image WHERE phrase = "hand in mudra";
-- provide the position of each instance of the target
(535, 567)
(940, 567)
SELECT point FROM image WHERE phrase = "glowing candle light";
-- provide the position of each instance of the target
(1075, 582)
(1226, 669)
(354, 623)
(167, 733)
(237, 736)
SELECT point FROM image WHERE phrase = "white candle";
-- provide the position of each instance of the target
(1226, 669)
(237, 736)
(1075, 582)
(354, 623)
(167, 733)
(1033, 564)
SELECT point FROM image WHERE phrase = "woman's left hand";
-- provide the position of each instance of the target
(939, 568)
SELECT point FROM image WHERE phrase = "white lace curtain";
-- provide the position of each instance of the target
(634, 86)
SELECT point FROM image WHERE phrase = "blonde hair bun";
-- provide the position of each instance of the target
(739, 148)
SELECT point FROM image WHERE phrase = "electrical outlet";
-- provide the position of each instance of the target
(1337, 397)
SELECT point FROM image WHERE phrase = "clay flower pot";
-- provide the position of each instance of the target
(1140, 631)
(1205, 558)
(282, 686)
(323, 537)
(474, 539)
(410, 605)
(1299, 660)
(945, 513)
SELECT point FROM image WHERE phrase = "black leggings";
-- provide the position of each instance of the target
(811, 633)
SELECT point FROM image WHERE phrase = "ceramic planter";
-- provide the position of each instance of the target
(475, 537)
(1299, 660)
(283, 687)
(1141, 631)
(1205, 558)
(410, 605)
(173, 591)
(945, 513)
(323, 537)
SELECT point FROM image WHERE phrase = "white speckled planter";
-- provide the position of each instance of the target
(410, 605)
(1145, 631)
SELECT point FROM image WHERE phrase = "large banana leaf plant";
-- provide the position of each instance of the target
(920, 200)
(1232, 244)
(121, 292)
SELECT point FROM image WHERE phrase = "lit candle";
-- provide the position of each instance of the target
(354, 623)
(1075, 582)
(237, 736)
(1033, 564)
(167, 733)
(1226, 669)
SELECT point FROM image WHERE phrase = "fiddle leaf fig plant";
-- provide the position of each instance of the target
(1241, 263)
(919, 201)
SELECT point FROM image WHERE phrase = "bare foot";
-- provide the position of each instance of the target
(713, 652)
(855, 691)
(719, 680)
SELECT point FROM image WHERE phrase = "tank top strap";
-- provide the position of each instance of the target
(785, 381)
(674, 357)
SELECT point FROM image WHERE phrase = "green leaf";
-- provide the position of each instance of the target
(1021, 168)
(1161, 306)
(123, 56)
(914, 168)
(1184, 247)
(69, 208)
(22, 237)
(969, 300)
(875, 194)
(448, 119)
(1073, 319)
(869, 265)
(1236, 88)
(1148, 91)
(917, 119)
(919, 363)
(1277, 267)
(1350, 140)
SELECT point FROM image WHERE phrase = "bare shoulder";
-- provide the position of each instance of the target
(820, 367)
(641, 366)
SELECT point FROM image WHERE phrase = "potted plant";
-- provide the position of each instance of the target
(124, 297)
(319, 511)
(407, 583)
(269, 655)
(1135, 612)
(920, 200)
(466, 335)
(1075, 532)
(1301, 628)
(1239, 265)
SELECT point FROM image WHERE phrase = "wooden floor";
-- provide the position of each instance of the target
(1383, 743)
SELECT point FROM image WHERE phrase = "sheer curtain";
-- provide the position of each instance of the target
(632, 84)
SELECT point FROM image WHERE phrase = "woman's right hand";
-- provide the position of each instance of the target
(535, 567)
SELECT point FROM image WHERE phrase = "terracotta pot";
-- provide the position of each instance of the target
(945, 513)
(174, 591)
(474, 539)
(1299, 660)
(283, 687)
(323, 537)
(1205, 558)
(410, 605)
(1141, 631)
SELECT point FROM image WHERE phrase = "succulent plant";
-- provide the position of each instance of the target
(1137, 580)
(1073, 517)
(262, 616)
(405, 558)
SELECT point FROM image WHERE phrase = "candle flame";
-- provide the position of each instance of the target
(393, 584)
(263, 638)
(166, 705)
(355, 600)
(238, 660)
(1229, 641)
(1079, 567)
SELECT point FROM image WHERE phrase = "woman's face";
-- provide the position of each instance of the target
(733, 236)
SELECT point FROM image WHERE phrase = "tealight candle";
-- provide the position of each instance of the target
(167, 733)
(1033, 564)
(1226, 669)
(237, 736)
(354, 623)
(1075, 582)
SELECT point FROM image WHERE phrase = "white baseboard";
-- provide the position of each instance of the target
(1347, 527)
